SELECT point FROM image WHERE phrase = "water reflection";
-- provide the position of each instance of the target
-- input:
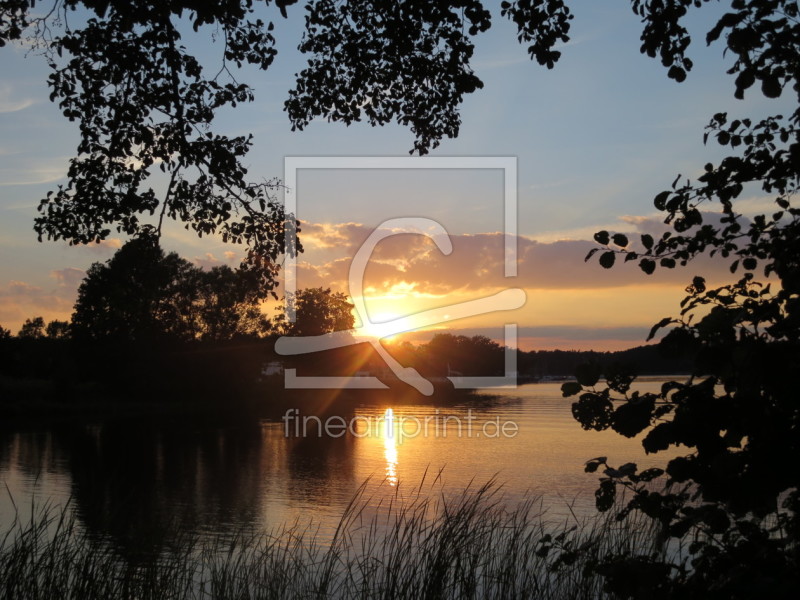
(132, 482)
(390, 447)
(135, 484)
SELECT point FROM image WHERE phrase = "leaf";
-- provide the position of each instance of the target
(647, 240)
(650, 474)
(715, 518)
(771, 86)
(744, 80)
(660, 200)
(605, 495)
(659, 438)
(681, 468)
(677, 73)
(607, 259)
(620, 240)
(593, 464)
(647, 265)
(592, 252)
(662, 323)
(588, 374)
(593, 411)
(570, 388)
(631, 418)
(601, 237)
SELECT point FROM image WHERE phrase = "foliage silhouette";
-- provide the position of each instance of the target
(470, 356)
(142, 294)
(145, 105)
(57, 330)
(32, 329)
(317, 311)
(737, 416)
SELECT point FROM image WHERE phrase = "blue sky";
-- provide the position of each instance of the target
(596, 138)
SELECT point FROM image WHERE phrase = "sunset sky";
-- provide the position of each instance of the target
(595, 140)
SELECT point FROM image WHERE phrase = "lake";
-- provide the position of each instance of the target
(131, 479)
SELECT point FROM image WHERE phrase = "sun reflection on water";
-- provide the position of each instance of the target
(390, 447)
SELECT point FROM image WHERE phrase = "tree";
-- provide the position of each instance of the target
(144, 294)
(470, 356)
(144, 104)
(140, 294)
(57, 330)
(317, 311)
(737, 416)
(5, 334)
(227, 307)
(32, 329)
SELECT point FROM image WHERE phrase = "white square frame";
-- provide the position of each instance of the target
(508, 164)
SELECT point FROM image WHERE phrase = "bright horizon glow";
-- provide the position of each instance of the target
(383, 322)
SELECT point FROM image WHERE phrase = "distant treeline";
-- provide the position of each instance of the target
(231, 370)
(644, 360)
(149, 326)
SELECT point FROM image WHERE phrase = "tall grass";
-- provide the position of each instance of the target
(466, 545)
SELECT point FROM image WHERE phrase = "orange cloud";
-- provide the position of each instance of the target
(477, 263)
(583, 304)
(69, 279)
(104, 247)
(20, 300)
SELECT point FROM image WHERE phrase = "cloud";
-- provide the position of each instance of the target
(20, 300)
(68, 279)
(33, 175)
(347, 236)
(477, 262)
(757, 205)
(10, 105)
(207, 262)
(104, 247)
(549, 185)
(499, 63)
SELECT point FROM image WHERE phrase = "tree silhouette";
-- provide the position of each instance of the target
(470, 356)
(32, 329)
(737, 417)
(317, 311)
(145, 105)
(144, 294)
(140, 294)
(227, 305)
(5, 334)
(57, 330)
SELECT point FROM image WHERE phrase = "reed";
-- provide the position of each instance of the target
(427, 544)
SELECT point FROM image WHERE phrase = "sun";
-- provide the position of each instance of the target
(387, 325)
